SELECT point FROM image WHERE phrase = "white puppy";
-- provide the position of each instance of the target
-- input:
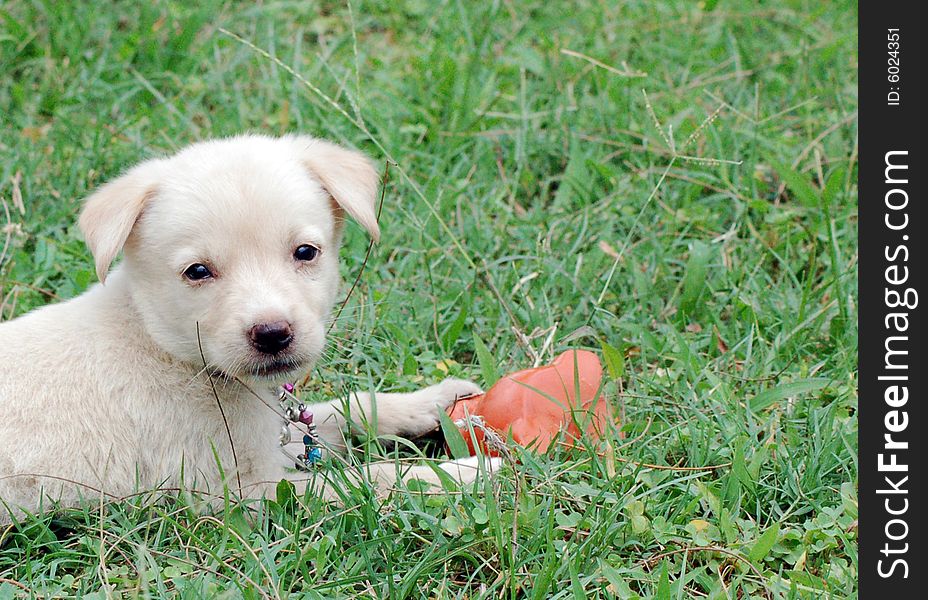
(230, 270)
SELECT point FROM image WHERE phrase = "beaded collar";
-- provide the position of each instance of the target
(294, 411)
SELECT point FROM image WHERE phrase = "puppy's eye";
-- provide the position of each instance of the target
(197, 272)
(306, 252)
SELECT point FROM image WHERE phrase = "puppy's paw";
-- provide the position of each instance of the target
(422, 408)
(444, 394)
(466, 470)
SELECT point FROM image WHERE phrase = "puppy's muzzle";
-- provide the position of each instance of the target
(271, 338)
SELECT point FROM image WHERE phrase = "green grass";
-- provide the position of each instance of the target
(534, 192)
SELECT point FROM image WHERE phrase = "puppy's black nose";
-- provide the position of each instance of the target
(270, 338)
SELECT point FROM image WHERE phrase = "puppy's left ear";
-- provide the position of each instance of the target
(111, 212)
(347, 175)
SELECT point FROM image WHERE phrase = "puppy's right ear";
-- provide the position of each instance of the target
(111, 212)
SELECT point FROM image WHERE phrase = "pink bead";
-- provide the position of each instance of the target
(306, 417)
(288, 387)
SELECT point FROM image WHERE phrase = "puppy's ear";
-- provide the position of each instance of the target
(110, 213)
(347, 175)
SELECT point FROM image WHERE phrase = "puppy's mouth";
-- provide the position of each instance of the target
(275, 369)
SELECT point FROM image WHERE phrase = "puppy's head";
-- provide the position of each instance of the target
(231, 246)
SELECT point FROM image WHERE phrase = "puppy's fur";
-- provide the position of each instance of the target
(108, 391)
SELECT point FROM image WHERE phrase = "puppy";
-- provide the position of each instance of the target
(229, 273)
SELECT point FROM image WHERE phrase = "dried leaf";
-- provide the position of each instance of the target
(17, 193)
(608, 249)
(719, 342)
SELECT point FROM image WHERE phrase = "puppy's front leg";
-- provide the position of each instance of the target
(382, 476)
(408, 415)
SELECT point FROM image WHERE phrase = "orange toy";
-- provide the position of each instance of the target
(533, 405)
